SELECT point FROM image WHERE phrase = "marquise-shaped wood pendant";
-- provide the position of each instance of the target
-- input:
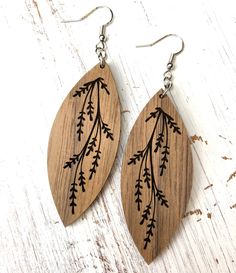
(156, 176)
(83, 143)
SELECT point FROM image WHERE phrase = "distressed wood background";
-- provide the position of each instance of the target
(41, 59)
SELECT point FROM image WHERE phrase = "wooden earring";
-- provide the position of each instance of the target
(84, 137)
(156, 171)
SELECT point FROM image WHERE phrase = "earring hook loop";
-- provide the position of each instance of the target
(167, 75)
(174, 54)
(100, 47)
(91, 12)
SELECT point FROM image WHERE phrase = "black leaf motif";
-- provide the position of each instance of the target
(91, 146)
(147, 176)
(138, 193)
(104, 86)
(146, 214)
(81, 91)
(94, 138)
(164, 159)
(80, 124)
(71, 161)
(154, 114)
(90, 110)
(106, 131)
(94, 164)
(136, 157)
(85, 88)
(172, 124)
(161, 197)
(72, 197)
(149, 232)
(146, 167)
(159, 142)
(82, 180)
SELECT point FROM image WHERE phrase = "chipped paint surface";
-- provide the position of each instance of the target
(209, 186)
(209, 215)
(196, 138)
(233, 206)
(233, 175)
(196, 211)
(226, 158)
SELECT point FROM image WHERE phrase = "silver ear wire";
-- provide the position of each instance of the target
(167, 75)
(100, 47)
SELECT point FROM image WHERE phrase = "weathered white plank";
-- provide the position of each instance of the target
(41, 59)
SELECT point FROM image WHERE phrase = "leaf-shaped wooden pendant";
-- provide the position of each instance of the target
(83, 143)
(156, 176)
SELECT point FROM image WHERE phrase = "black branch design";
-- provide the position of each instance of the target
(80, 124)
(149, 233)
(136, 157)
(71, 161)
(164, 159)
(172, 124)
(138, 192)
(107, 131)
(92, 147)
(146, 178)
(94, 164)
(84, 89)
(146, 214)
(90, 110)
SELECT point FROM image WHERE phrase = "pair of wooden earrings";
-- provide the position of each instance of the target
(157, 164)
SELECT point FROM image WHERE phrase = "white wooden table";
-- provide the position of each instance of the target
(41, 59)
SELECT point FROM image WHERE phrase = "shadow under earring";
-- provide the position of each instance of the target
(84, 138)
(156, 171)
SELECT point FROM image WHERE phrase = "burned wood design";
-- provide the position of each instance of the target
(158, 142)
(89, 113)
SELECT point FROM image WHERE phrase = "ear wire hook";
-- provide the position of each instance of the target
(100, 47)
(91, 12)
(167, 74)
(174, 54)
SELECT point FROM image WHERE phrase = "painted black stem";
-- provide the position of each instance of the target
(92, 146)
(146, 175)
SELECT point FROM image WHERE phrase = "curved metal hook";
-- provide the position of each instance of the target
(168, 75)
(164, 37)
(89, 13)
(100, 47)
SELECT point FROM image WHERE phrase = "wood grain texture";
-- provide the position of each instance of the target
(41, 59)
(83, 143)
(156, 176)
